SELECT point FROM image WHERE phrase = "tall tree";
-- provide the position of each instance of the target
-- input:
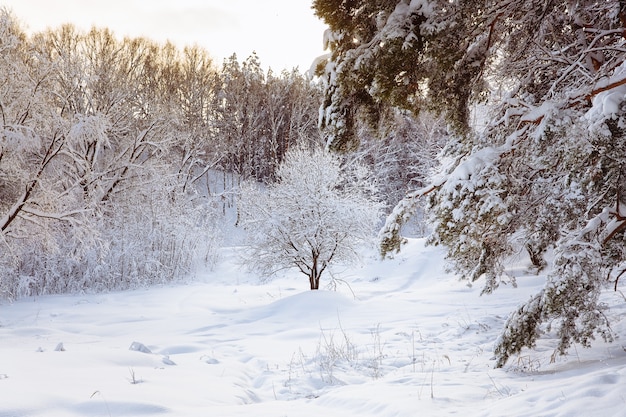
(259, 116)
(546, 171)
(241, 114)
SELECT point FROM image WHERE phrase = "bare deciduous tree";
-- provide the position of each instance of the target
(316, 214)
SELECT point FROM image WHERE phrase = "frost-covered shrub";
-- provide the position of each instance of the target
(152, 239)
(142, 237)
(129, 250)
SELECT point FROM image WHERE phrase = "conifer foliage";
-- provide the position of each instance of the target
(546, 171)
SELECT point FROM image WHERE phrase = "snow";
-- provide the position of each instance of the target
(606, 104)
(399, 336)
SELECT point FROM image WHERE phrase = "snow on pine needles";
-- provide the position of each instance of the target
(396, 338)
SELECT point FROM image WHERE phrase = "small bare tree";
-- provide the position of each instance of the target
(317, 213)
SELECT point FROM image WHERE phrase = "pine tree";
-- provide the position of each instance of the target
(546, 171)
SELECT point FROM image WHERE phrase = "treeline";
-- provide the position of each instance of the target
(109, 148)
(119, 158)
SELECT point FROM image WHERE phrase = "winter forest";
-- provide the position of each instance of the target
(122, 159)
(493, 130)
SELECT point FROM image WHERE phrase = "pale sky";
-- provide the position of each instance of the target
(284, 33)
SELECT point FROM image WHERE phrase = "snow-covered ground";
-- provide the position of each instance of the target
(403, 339)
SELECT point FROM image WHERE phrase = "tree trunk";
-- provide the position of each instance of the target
(314, 277)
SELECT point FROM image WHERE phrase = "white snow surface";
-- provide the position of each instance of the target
(607, 103)
(404, 339)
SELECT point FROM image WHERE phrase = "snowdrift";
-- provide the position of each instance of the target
(399, 338)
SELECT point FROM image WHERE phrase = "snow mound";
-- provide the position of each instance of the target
(306, 306)
(139, 347)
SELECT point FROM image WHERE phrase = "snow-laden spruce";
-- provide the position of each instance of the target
(317, 213)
